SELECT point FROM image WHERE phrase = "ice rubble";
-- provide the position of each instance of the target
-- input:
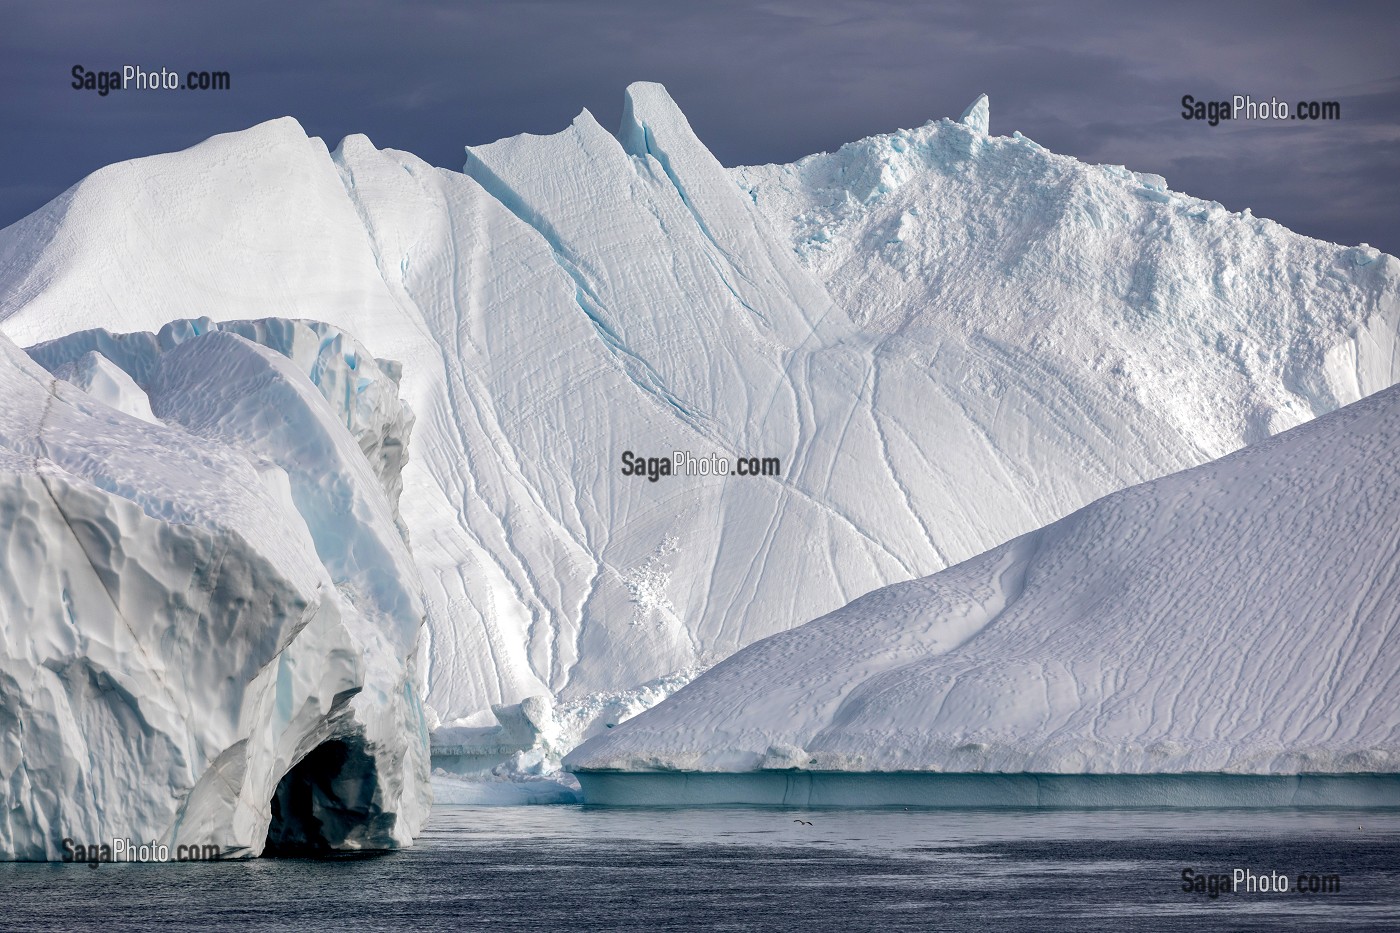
(1228, 327)
(209, 624)
(1238, 618)
(948, 338)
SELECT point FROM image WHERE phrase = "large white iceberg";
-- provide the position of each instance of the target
(946, 338)
(209, 623)
(1238, 618)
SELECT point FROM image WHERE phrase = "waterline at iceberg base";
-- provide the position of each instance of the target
(967, 789)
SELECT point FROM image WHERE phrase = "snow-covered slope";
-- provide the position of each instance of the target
(195, 603)
(568, 298)
(1241, 617)
(250, 224)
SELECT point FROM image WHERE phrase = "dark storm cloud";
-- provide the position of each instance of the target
(761, 82)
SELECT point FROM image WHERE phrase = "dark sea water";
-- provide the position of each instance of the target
(576, 868)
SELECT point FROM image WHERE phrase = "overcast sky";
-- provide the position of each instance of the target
(760, 82)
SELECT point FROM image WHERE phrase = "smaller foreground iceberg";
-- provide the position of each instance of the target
(209, 620)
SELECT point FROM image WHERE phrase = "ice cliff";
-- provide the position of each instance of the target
(209, 622)
(1241, 617)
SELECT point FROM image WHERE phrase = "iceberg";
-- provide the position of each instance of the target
(209, 623)
(1228, 634)
(945, 339)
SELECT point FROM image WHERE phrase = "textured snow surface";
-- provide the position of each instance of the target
(361, 391)
(194, 599)
(949, 339)
(1239, 617)
(1227, 326)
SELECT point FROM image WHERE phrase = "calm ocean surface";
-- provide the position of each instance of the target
(576, 868)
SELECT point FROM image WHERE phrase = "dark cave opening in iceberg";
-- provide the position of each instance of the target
(328, 803)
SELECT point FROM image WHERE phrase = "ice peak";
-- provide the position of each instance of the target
(652, 93)
(279, 133)
(648, 106)
(978, 115)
